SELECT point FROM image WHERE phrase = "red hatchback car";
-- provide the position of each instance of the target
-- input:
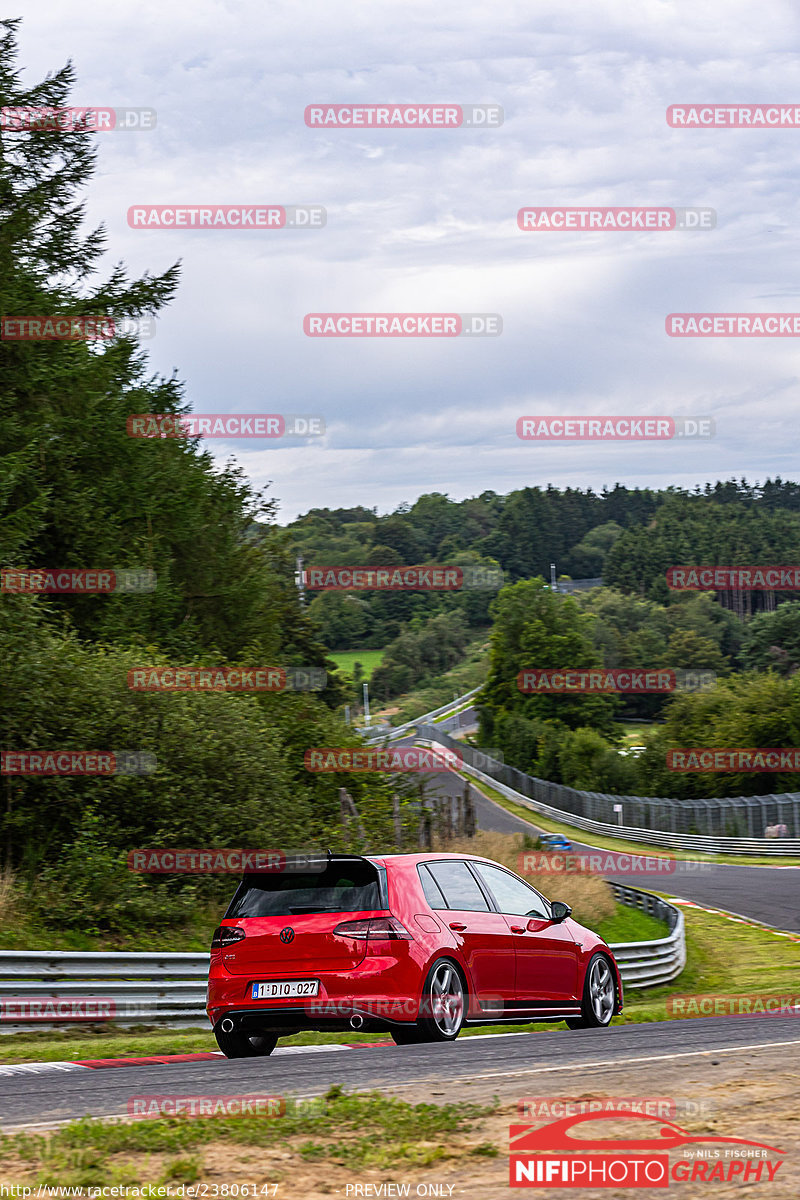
(416, 944)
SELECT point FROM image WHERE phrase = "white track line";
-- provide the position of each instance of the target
(578, 1066)
(616, 1062)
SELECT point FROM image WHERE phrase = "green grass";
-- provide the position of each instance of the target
(604, 842)
(633, 734)
(109, 1041)
(446, 716)
(723, 958)
(631, 925)
(364, 1131)
(346, 659)
(367, 1131)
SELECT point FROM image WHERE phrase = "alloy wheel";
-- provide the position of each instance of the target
(447, 999)
(601, 991)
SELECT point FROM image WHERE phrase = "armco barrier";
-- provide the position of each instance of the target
(133, 988)
(149, 989)
(401, 730)
(573, 807)
(643, 964)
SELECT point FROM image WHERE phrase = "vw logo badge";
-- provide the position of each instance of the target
(287, 935)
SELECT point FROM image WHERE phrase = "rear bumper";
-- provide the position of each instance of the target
(285, 1021)
(383, 991)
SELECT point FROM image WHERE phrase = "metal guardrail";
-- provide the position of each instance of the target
(566, 586)
(780, 809)
(645, 964)
(401, 730)
(41, 989)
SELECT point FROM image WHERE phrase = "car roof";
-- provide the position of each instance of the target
(427, 856)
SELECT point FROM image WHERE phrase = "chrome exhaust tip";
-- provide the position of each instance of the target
(227, 1025)
(356, 1021)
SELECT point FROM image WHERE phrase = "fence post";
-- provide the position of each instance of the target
(425, 840)
(344, 818)
(349, 807)
(469, 812)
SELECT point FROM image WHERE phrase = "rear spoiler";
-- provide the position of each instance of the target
(303, 864)
(310, 864)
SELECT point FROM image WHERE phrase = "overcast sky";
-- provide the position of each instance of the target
(426, 221)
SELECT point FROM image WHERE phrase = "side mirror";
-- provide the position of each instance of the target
(559, 911)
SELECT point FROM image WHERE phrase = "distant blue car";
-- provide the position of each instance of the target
(555, 841)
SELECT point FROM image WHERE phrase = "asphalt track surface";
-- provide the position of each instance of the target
(535, 1058)
(768, 894)
(764, 893)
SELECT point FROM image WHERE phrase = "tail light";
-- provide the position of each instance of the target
(226, 935)
(374, 929)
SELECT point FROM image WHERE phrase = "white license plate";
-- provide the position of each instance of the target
(279, 989)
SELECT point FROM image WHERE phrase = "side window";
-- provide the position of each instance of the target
(429, 887)
(512, 895)
(459, 886)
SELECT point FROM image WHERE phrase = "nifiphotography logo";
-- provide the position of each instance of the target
(560, 1155)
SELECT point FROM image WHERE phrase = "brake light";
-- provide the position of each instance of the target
(226, 935)
(373, 929)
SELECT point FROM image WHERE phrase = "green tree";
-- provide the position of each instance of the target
(76, 490)
(748, 710)
(772, 640)
(587, 761)
(536, 628)
(420, 654)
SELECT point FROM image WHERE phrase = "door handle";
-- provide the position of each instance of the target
(516, 929)
(457, 926)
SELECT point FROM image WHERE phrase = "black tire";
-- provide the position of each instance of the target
(406, 1035)
(599, 1000)
(243, 1045)
(444, 1006)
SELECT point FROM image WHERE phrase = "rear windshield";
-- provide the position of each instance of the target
(338, 888)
